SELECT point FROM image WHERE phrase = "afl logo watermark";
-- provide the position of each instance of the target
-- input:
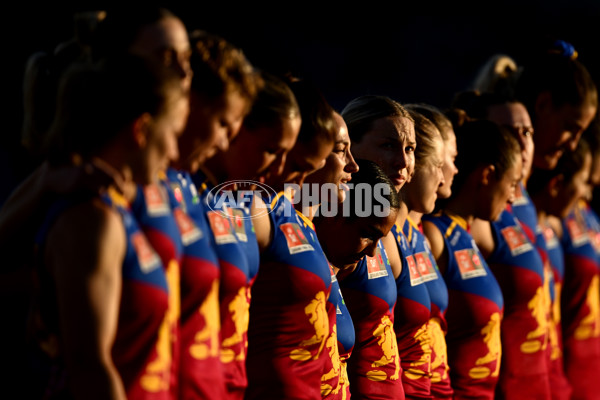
(239, 195)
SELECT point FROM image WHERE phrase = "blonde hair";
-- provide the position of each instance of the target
(498, 75)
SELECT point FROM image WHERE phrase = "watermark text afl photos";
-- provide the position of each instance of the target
(361, 200)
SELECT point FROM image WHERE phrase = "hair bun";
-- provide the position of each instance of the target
(563, 48)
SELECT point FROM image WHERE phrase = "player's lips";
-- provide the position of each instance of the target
(344, 184)
(398, 179)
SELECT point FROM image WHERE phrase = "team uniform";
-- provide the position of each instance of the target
(474, 313)
(201, 372)
(519, 270)
(561, 389)
(411, 317)
(233, 234)
(370, 294)
(525, 211)
(142, 348)
(289, 325)
(437, 326)
(593, 225)
(334, 383)
(551, 254)
(580, 307)
(153, 208)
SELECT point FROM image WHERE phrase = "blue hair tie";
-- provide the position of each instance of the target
(564, 49)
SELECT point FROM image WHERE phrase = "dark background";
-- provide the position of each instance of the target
(362, 47)
(348, 49)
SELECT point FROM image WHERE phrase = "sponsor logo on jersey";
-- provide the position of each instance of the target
(413, 271)
(194, 192)
(156, 202)
(516, 240)
(469, 263)
(188, 229)
(237, 218)
(425, 267)
(221, 228)
(178, 193)
(376, 266)
(147, 257)
(455, 237)
(296, 241)
(577, 232)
